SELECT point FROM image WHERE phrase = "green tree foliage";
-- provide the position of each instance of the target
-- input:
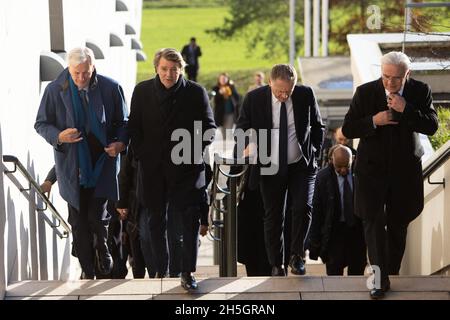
(443, 133)
(266, 23)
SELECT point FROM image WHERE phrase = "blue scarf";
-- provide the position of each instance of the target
(88, 174)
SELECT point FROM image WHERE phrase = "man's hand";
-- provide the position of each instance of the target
(46, 187)
(113, 149)
(69, 135)
(382, 118)
(123, 213)
(396, 102)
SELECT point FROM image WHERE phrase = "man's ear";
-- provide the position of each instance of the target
(408, 73)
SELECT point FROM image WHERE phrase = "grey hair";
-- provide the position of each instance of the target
(80, 55)
(284, 72)
(396, 58)
(169, 54)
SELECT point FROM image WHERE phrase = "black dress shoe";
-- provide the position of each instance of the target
(379, 293)
(161, 275)
(188, 281)
(105, 262)
(297, 265)
(278, 271)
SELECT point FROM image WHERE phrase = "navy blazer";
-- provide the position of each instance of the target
(256, 113)
(55, 114)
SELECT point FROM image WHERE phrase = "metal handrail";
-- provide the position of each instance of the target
(224, 221)
(33, 184)
(436, 164)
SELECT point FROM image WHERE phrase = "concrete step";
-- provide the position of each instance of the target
(239, 288)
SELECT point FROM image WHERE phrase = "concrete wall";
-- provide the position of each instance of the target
(428, 240)
(29, 249)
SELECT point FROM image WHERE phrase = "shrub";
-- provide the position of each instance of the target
(442, 135)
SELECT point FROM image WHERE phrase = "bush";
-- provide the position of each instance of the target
(442, 135)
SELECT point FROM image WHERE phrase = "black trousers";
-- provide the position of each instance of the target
(89, 223)
(347, 248)
(192, 71)
(299, 181)
(183, 224)
(386, 240)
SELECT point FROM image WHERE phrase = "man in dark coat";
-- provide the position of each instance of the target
(288, 115)
(336, 233)
(387, 115)
(83, 116)
(190, 53)
(163, 110)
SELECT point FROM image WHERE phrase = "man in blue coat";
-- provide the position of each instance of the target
(83, 116)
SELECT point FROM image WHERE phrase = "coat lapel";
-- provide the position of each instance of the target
(67, 99)
(380, 97)
(96, 101)
(301, 117)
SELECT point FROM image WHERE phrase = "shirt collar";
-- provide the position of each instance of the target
(400, 92)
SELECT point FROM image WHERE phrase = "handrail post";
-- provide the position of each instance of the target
(230, 231)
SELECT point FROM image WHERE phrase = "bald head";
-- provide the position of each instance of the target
(342, 159)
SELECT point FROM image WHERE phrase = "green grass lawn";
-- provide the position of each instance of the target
(173, 27)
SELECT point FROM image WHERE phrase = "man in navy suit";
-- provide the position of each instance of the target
(83, 116)
(336, 233)
(288, 115)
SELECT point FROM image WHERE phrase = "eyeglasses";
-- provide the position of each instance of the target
(392, 79)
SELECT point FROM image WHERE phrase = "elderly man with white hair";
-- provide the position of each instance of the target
(83, 115)
(387, 115)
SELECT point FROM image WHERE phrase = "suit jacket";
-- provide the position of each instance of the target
(388, 161)
(256, 113)
(326, 212)
(151, 132)
(186, 53)
(56, 114)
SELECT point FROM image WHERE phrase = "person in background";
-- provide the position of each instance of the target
(336, 233)
(129, 207)
(226, 103)
(387, 116)
(258, 81)
(191, 52)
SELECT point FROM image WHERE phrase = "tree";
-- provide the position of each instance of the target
(266, 22)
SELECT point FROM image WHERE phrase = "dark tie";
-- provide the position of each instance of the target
(86, 109)
(283, 142)
(348, 201)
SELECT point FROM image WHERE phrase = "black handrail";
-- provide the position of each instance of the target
(224, 221)
(33, 184)
(436, 164)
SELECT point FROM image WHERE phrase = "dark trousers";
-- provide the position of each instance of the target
(192, 71)
(152, 233)
(182, 234)
(90, 221)
(347, 248)
(137, 262)
(386, 240)
(299, 181)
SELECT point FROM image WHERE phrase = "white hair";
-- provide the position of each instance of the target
(396, 58)
(80, 55)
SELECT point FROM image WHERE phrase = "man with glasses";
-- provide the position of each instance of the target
(387, 115)
(288, 113)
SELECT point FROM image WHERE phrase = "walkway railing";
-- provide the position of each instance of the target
(223, 216)
(32, 184)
